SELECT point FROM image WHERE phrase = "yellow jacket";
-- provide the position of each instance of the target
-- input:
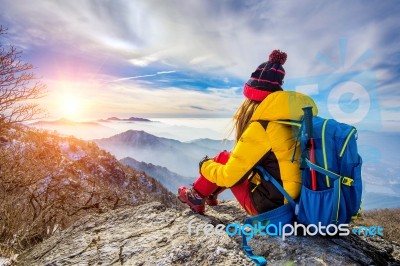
(256, 141)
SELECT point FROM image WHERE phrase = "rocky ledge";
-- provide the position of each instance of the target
(153, 234)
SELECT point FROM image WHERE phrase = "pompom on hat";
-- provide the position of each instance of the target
(267, 78)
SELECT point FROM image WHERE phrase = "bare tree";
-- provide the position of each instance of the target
(18, 86)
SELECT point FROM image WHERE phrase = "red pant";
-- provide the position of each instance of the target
(240, 191)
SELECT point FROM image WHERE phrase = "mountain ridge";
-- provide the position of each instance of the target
(149, 148)
(167, 178)
(64, 121)
(130, 119)
(49, 181)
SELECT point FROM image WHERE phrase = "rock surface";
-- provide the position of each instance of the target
(153, 234)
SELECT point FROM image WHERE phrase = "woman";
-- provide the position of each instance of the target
(260, 140)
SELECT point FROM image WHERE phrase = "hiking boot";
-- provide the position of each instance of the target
(212, 200)
(193, 199)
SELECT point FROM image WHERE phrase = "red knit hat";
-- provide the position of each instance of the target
(267, 78)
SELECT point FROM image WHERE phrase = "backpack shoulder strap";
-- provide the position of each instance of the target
(268, 177)
(260, 260)
(352, 132)
(295, 123)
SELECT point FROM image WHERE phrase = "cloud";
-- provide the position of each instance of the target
(130, 97)
(198, 108)
(133, 98)
(233, 38)
(144, 61)
(215, 39)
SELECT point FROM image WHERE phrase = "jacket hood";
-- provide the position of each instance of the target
(283, 105)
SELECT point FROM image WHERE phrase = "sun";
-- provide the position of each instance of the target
(71, 107)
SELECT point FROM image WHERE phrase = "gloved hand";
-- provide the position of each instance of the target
(221, 158)
(206, 158)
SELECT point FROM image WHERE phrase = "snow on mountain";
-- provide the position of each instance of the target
(49, 181)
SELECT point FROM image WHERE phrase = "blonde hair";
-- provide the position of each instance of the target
(243, 115)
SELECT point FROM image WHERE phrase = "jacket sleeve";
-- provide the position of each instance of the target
(252, 146)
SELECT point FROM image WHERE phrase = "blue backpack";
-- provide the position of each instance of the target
(331, 178)
(337, 166)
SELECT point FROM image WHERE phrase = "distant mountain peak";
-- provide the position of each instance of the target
(179, 157)
(137, 133)
(132, 138)
(113, 118)
(130, 119)
(64, 122)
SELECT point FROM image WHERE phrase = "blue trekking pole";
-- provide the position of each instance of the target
(308, 115)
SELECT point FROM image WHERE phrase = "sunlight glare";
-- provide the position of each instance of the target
(71, 107)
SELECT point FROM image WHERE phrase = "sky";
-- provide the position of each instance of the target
(172, 58)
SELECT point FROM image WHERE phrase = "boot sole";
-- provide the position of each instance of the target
(212, 204)
(190, 206)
